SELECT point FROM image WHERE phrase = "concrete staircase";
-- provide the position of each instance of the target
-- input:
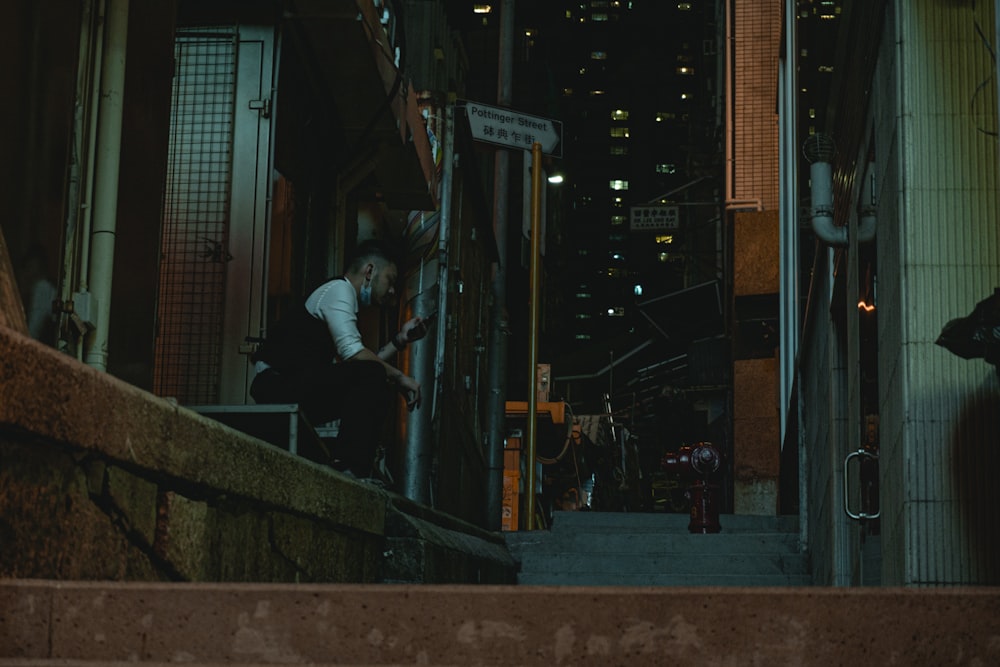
(632, 549)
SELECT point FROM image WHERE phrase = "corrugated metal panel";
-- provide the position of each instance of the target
(940, 411)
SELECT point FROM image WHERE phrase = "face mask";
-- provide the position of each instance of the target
(366, 290)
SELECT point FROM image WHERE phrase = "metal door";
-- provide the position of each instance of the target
(215, 211)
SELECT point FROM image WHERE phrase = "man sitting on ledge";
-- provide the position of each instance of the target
(315, 357)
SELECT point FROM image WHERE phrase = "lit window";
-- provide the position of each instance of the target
(582, 252)
(616, 311)
(481, 8)
(619, 149)
(583, 295)
(583, 316)
(618, 220)
(665, 115)
(687, 96)
(598, 55)
(685, 70)
(825, 68)
(599, 16)
(618, 202)
(599, 3)
(619, 114)
(582, 336)
(615, 273)
(684, 6)
(567, 92)
(665, 168)
(619, 132)
(637, 290)
(618, 184)
(618, 257)
(665, 239)
(596, 92)
(664, 257)
(812, 113)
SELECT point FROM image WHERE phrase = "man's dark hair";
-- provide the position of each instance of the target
(370, 251)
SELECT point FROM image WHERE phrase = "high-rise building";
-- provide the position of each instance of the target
(635, 256)
(637, 88)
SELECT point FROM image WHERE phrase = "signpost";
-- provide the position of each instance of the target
(513, 129)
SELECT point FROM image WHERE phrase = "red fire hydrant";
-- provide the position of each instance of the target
(699, 463)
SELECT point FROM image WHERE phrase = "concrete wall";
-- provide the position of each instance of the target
(101, 480)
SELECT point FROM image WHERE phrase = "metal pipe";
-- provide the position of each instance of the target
(418, 485)
(789, 235)
(73, 195)
(417, 456)
(108, 148)
(80, 147)
(94, 101)
(496, 408)
(535, 279)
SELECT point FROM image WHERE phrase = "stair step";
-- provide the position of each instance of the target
(668, 522)
(666, 563)
(665, 579)
(677, 543)
(647, 549)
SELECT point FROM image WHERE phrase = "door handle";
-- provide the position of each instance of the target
(861, 453)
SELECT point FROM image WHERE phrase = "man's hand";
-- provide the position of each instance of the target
(414, 329)
(410, 389)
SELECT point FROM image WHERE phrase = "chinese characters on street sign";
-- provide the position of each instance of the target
(654, 218)
(514, 129)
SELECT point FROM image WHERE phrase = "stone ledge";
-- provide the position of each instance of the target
(494, 625)
(56, 399)
(101, 480)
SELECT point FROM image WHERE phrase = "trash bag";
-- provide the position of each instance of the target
(976, 336)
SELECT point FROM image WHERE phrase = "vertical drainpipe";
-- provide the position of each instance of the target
(416, 480)
(496, 406)
(105, 203)
(789, 268)
(789, 261)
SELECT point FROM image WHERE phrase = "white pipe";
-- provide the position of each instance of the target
(821, 196)
(109, 138)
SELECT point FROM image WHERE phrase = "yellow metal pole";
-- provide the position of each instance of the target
(534, 279)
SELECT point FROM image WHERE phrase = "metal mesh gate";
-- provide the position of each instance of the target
(196, 215)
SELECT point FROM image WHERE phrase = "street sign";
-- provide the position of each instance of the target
(654, 218)
(506, 127)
